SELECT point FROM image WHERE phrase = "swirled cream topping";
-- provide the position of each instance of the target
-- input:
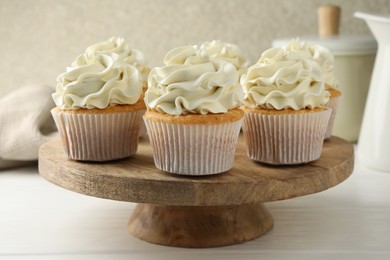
(228, 52)
(193, 82)
(284, 79)
(319, 54)
(119, 46)
(97, 82)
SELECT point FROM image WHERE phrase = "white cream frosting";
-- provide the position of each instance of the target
(119, 46)
(192, 82)
(97, 82)
(228, 52)
(319, 54)
(284, 79)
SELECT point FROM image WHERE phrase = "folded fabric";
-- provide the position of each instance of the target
(25, 124)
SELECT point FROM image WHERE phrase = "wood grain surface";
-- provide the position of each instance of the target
(207, 226)
(136, 179)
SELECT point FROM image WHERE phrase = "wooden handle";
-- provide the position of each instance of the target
(328, 20)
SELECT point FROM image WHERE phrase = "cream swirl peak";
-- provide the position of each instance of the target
(193, 82)
(228, 52)
(119, 46)
(284, 79)
(319, 54)
(97, 83)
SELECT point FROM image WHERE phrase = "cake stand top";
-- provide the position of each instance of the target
(137, 179)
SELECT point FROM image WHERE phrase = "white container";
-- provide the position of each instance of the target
(354, 60)
(374, 141)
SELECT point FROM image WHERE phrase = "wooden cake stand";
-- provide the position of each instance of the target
(210, 211)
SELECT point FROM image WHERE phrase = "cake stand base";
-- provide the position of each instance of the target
(199, 226)
(207, 211)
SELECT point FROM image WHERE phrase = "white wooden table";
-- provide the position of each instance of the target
(39, 220)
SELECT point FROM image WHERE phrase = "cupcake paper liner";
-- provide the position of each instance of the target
(333, 104)
(285, 139)
(99, 137)
(193, 149)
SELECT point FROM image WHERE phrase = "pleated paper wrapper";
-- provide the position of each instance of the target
(333, 103)
(193, 149)
(285, 139)
(99, 137)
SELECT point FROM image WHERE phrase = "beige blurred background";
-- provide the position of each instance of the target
(39, 38)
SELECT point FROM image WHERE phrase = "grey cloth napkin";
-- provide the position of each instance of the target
(25, 124)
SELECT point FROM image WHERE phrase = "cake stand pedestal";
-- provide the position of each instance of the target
(206, 211)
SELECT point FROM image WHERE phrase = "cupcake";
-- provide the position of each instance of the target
(193, 119)
(228, 52)
(99, 107)
(285, 118)
(325, 60)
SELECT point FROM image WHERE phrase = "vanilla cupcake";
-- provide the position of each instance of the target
(99, 107)
(193, 119)
(228, 52)
(285, 118)
(325, 60)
